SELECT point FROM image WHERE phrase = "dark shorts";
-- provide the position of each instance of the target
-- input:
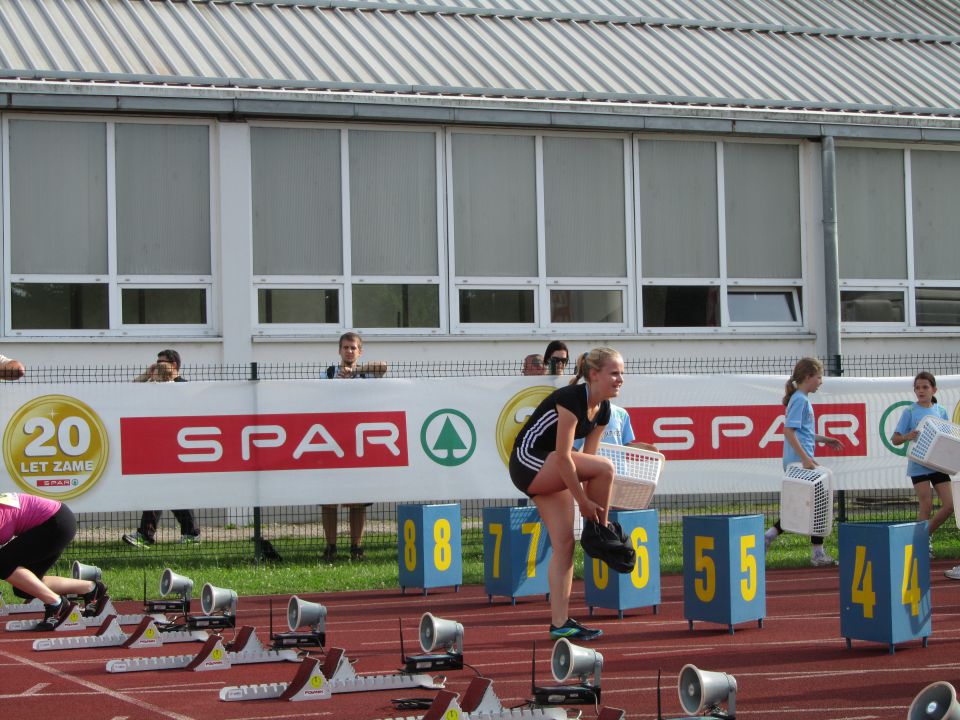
(38, 548)
(934, 478)
(521, 475)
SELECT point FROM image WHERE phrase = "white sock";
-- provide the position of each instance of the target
(771, 534)
(818, 551)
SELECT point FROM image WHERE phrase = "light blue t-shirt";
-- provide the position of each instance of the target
(909, 421)
(799, 416)
(618, 430)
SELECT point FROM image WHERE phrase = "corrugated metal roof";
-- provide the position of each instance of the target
(854, 56)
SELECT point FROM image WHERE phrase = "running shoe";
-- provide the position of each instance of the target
(356, 552)
(137, 540)
(189, 539)
(822, 560)
(572, 630)
(330, 554)
(55, 615)
(953, 573)
(94, 600)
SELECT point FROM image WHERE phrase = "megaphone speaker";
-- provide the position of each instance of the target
(701, 689)
(173, 584)
(85, 572)
(572, 661)
(214, 599)
(303, 612)
(937, 701)
(439, 633)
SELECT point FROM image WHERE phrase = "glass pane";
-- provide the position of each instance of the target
(871, 306)
(164, 306)
(583, 197)
(59, 306)
(871, 213)
(762, 187)
(302, 305)
(938, 306)
(936, 214)
(495, 205)
(681, 306)
(679, 238)
(396, 306)
(58, 197)
(163, 199)
(296, 201)
(755, 307)
(393, 203)
(586, 306)
(497, 306)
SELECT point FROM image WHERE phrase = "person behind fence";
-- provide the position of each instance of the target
(544, 467)
(556, 357)
(533, 365)
(11, 369)
(349, 368)
(165, 369)
(925, 480)
(34, 531)
(801, 439)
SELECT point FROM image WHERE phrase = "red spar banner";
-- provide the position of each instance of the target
(244, 443)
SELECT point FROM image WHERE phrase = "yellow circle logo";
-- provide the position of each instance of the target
(956, 414)
(55, 446)
(515, 414)
(316, 680)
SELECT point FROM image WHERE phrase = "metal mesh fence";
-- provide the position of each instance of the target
(296, 531)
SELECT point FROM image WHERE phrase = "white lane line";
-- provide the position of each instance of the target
(35, 689)
(137, 702)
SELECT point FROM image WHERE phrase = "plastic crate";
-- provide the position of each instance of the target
(636, 474)
(937, 445)
(806, 500)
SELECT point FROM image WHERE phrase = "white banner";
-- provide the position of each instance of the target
(130, 446)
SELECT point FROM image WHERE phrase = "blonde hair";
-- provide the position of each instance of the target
(805, 368)
(593, 360)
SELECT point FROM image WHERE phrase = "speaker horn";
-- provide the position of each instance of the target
(85, 572)
(214, 599)
(440, 634)
(572, 661)
(937, 701)
(303, 612)
(701, 690)
(173, 584)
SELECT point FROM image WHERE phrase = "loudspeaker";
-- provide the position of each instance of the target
(703, 690)
(172, 583)
(85, 572)
(937, 701)
(302, 612)
(440, 634)
(572, 661)
(214, 599)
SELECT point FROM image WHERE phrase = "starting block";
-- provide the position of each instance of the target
(245, 649)
(480, 702)
(311, 683)
(78, 621)
(19, 608)
(109, 634)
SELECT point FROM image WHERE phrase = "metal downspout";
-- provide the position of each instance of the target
(831, 256)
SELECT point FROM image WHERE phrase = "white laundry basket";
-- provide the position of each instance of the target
(636, 474)
(806, 500)
(937, 445)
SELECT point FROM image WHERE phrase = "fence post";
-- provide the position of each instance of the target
(841, 494)
(257, 535)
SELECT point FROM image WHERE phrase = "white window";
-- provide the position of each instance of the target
(108, 227)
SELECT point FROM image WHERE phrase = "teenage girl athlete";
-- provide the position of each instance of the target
(544, 466)
(925, 479)
(33, 532)
(800, 438)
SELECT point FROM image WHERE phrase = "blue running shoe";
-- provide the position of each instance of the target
(572, 630)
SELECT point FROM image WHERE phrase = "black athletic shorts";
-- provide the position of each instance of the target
(934, 478)
(39, 547)
(521, 474)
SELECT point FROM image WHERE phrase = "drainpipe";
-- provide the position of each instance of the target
(831, 256)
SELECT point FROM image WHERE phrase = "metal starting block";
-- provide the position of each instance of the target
(78, 621)
(480, 702)
(18, 608)
(245, 649)
(109, 634)
(310, 682)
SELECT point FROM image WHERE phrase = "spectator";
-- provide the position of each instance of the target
(11, 369)
(533, 365)
(349, 368)
(165, 369)
(556, 357)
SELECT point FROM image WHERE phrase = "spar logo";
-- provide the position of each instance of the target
(239, 443)
(515, 414)
(890, 418)
(448, 437)
(55, 446)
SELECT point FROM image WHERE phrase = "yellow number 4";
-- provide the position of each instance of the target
(862, 591)
(910, 590)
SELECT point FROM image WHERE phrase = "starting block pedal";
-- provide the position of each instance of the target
(311, 682)
(245, 649)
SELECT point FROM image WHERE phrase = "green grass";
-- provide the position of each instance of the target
(301, 571)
